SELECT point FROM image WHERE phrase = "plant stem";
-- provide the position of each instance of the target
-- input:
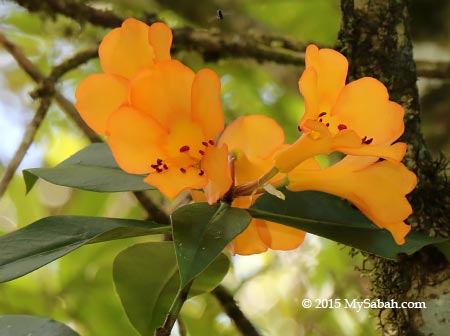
(230, 307)
(174, 311)
(249, 188)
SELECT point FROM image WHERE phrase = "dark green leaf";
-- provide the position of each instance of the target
(333, 218)
(25, 325)
(444, 248)
(50, 238)
(201, 232)
(147, 280)
(93, 168)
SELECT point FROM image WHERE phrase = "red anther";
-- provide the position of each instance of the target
(320, 120)
(165, 167)
(327, 124)
(342, 127)
(184, 149)
(159, 161)
(183, 170)
(321, 114)
(154, 166)
(204, 143)
(159, 170)
(201, 173)
(211, 142)
(299, 129)
(368, 141)
(364, 139)
(201, 152)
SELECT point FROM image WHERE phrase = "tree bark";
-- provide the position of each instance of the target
(375, 37)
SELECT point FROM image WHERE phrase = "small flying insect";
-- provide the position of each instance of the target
(220, 15)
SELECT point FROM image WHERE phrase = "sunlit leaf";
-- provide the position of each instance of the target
(50, 238)
(147, 280)
(25, 325)
(93, 168)
(333, 218)
(201, 232)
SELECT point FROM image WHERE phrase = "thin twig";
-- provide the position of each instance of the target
(228, 304)
(154, 212)
(71, 63)
(25, 144)
(34, 72)
(213, 45)
(74, 9)
(433, 69)
(181, 327)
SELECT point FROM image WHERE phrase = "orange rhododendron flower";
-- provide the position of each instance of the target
(254, 140)
(160, 117)
(377, 188)
(123, 53)
(356, 119)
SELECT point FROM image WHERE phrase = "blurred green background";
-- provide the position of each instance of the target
(270, 287)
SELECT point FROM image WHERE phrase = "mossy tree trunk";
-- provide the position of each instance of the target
(375, 36)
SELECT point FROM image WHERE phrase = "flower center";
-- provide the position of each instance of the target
(335, 127)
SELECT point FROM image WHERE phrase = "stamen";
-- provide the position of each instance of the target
(201, 173)
(184, 149)
(299, 129)
(165, 167)
(321, 114)
(211, 142)
(368, 141)
(320, 120)
(364, 139)
(342, 127)
(154, 166)
(159, 161)
(159, 170)
(327, 124)
(204, 143)
(201, 152)
(183, 170)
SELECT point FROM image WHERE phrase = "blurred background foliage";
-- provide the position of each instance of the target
(78, 289)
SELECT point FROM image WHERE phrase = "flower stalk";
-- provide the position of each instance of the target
(174, 311)
(251, 188)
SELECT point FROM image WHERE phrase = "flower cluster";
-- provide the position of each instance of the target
(165, 121)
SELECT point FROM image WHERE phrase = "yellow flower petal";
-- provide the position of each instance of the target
(257, 136)
(248, 242)
(160, 37)
(304, 148)
(280, 237)
(395, 152)
(377, 189)
(125, 51)
(135, 140)
(247, 170)
(173, 181)
(331, 68)
(398, 231)
(97, 97)
(164, 92)
(364, 107)
(307, 85)
(215, 166)
(206, 105)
